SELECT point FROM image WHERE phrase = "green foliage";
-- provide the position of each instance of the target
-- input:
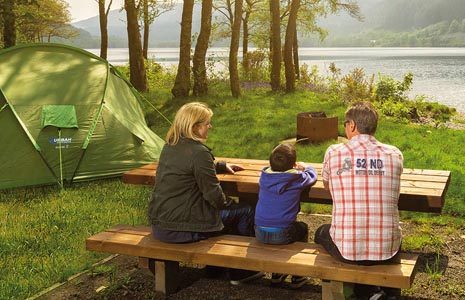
(258, 67)
(387, 88)
(355, 87)
(311, 79)
(440, 34)
(389, 95)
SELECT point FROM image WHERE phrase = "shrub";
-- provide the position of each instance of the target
(389, 88)
(355, 87)
(311, 79)
(258, 66)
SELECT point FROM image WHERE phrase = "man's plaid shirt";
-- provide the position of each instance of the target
(364, 181)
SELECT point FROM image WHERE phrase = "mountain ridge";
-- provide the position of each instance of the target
(380, 16)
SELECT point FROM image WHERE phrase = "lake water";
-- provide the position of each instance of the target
(439, 73)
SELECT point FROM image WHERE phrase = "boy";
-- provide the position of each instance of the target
(279, 203)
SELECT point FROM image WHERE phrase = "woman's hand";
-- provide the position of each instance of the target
(233, 168)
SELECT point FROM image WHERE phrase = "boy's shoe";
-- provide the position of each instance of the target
(298, 282)
(381, 295)
(243, 276)
(277, 278)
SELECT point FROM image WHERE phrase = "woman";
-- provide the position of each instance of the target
(188, 203)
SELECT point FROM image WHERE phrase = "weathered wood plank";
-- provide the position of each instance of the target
(245, 253)
(244, 241)
(421, 190)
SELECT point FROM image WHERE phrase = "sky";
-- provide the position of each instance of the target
(84, 9)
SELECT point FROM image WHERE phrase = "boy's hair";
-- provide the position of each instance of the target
(365, 117)
(283, 157)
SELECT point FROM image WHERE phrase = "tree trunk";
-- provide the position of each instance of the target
(275, 37)
(234, 48)
(146, 29)
(138, 76)
(245, 42)
(9, 24)
(288, 45)
(270, 57)
(295, 55)
(103, 29)
(182, 83)
(199, 69)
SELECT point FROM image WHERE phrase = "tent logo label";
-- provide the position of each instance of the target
(64, 141)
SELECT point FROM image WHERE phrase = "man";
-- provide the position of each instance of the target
(363, 177)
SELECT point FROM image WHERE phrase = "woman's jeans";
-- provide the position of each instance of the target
(237, 219)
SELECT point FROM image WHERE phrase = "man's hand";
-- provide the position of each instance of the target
(233, 168)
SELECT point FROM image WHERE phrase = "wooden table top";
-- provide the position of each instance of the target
(421, 190)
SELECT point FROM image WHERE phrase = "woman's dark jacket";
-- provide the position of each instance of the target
(187, 195)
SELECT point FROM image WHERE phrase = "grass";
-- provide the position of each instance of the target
(42, 229)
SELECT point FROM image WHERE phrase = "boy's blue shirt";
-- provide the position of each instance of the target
(279, 196)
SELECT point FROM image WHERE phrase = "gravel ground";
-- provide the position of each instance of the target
(122, 279)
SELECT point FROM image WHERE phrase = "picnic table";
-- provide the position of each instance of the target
(421, 190)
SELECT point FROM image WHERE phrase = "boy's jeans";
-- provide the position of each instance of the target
(296, 232)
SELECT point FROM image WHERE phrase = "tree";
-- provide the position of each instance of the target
(234, 48)
(152, 9)
(9, 17)
(103, 20)
(305, 19)
(251, 4)
(42, 20)
(9, 23)
(199, 69)
(454, 26)
(289, 44)
(137, 74)
(275, 48)
(182, 83)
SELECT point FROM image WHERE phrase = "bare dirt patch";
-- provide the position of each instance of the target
(439, 276)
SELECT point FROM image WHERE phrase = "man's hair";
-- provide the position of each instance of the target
(186, 118)
(365, 117)
(283, 157)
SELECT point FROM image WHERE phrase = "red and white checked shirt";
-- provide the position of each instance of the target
(364, 181)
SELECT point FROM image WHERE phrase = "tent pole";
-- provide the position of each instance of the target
(61, 161)
(28, 134)
(94, 123)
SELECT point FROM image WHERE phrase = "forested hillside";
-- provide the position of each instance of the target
(414, 14)
(408, 23)
(398, 23)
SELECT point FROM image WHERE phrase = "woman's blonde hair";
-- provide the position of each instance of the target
(186, 118)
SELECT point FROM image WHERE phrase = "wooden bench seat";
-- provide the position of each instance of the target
(304, 259)
(421, 190)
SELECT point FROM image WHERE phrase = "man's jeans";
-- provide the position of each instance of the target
(323, 238)
(297, 231)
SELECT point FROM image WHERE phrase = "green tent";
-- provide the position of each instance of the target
(67, 115)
